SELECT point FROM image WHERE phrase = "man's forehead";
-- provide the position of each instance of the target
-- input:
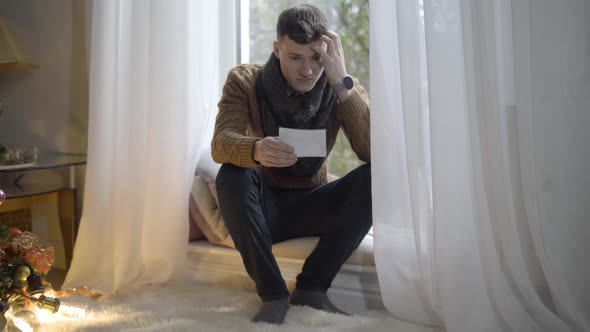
(290, 46)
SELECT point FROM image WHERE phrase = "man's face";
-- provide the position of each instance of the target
(300, 65)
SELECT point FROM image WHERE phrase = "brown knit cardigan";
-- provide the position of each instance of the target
(238, 127)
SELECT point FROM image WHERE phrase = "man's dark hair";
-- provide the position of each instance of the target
(303, 24)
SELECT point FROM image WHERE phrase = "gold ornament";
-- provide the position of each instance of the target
(21, 274)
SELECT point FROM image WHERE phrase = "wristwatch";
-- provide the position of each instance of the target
(346, 84)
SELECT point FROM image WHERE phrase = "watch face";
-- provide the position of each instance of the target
(348, 82)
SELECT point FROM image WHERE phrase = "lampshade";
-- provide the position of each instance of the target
(11, 52)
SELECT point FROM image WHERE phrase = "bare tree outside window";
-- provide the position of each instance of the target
(348, 18)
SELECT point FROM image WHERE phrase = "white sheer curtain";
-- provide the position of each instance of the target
(154, 82)
(480, 131)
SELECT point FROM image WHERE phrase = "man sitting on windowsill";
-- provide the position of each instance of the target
(266, 193)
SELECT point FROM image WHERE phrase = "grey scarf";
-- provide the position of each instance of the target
(317, 111)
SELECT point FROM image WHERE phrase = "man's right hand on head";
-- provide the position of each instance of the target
(271, 152)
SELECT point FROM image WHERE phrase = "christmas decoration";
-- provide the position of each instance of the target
(24, 263)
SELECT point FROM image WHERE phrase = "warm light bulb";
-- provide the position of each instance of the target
(74, 311)
(55, 305)
(49, 303)
(22, 321)
(43, 315)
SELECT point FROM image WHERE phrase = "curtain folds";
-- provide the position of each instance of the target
(154, 83)
(479, 130)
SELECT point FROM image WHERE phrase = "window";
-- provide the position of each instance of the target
(349, 18)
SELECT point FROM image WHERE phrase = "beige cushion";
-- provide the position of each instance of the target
(301, 248)
(195, 218)
(206, 167)
(214, 229)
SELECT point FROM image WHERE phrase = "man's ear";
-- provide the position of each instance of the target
(276, 47)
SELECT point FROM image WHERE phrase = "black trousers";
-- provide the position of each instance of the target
(257, 216)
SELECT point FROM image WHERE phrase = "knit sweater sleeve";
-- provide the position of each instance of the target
(353, 113)
(230, 143)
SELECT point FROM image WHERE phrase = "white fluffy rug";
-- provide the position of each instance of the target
(194, 306)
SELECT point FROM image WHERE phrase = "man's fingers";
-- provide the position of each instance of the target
(280, 154)
(329, 42)
(275, 143)
(320, 48)
(336, 41)
(274, 153)
(270, 151)
(277, 151)
(334, 36)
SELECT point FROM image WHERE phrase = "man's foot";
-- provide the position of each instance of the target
(272, 312)
(315, 299)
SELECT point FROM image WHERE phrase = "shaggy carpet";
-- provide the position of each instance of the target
(195, 306)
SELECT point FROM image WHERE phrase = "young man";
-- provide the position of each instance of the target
(266, 193)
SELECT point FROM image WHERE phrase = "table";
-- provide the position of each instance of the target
(25, 186)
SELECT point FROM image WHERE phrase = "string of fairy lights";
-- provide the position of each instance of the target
(24, 291)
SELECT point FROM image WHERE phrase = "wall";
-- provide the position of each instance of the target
(48, 106)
